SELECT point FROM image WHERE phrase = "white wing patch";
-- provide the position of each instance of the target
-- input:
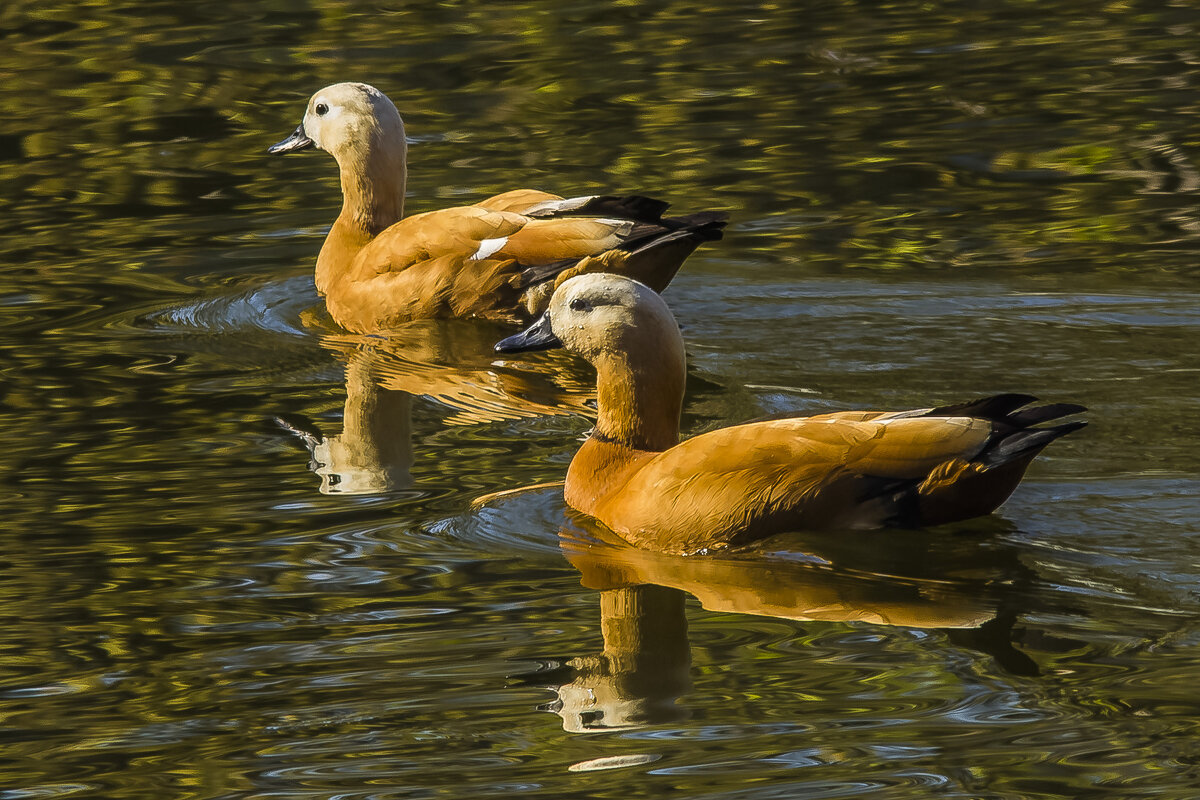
(487, 247)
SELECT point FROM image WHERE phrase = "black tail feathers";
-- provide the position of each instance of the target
(1039, 414)
(1026, 442)
(703, 226)
(1014, 436)
(706, 226)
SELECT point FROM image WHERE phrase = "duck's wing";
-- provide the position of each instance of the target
(629, 236)
(844, 470)
(460, 232)
(431, 265)
(624, 234)
(488, 261)
(478, 233)
(748, 481)
(543, 205)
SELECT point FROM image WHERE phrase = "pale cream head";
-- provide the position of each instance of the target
(600, 313)
(349, 117)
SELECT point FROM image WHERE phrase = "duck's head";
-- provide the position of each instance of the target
(346, 118)
(628, 334)
(597, 314)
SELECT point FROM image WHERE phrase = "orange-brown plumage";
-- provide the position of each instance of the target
(853, 469)
(497, 259)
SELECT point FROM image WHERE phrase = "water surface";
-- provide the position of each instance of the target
(931, 202)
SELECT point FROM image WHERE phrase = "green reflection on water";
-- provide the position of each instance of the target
(930, 203)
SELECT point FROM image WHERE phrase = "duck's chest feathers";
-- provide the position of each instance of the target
(343, 243)
(600, 470)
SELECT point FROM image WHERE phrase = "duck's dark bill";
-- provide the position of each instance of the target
(297, 141)
(537, 336)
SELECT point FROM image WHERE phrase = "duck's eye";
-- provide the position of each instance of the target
(579, 304)
(322, 109)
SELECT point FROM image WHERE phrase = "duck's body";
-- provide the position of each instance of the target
(498, 259)
(851, 469)
(847, 470)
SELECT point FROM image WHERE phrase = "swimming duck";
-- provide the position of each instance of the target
(844, 470)
(497, 259)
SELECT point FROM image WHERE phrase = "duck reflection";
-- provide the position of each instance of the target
(935, 582)
(373, 453)
(642, 671)
(448, 362)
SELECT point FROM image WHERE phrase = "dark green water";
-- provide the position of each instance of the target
(931, 201)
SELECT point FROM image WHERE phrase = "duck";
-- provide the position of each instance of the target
(728, 487)
(498, 259)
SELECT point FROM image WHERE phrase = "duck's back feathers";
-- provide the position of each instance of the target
(748, 481)
(558, 239)
(423, 267)
(519, 201)
(636, 207)
(456, 232)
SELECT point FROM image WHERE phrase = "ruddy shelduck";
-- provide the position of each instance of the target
(839, 471)
(497, 259)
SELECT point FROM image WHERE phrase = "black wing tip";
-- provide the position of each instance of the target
(710, 223)
(1008, 408)
(703, 226)
(1025, 442)
(993, 407)
(635, 207)
(639, 208)
(1032, 416)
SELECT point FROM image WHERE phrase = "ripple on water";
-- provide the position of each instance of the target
(47, 790)
(188, 617)
(277, 307)
(522, 522)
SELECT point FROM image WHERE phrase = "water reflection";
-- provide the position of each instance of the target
(904, 580)
(373, 453)
(643, 670)
(447, 361)
(962, 196)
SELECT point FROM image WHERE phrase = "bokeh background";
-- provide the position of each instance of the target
(931, 201)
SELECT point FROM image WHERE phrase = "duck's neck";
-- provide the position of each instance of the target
(373, 184)
(639, 396)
